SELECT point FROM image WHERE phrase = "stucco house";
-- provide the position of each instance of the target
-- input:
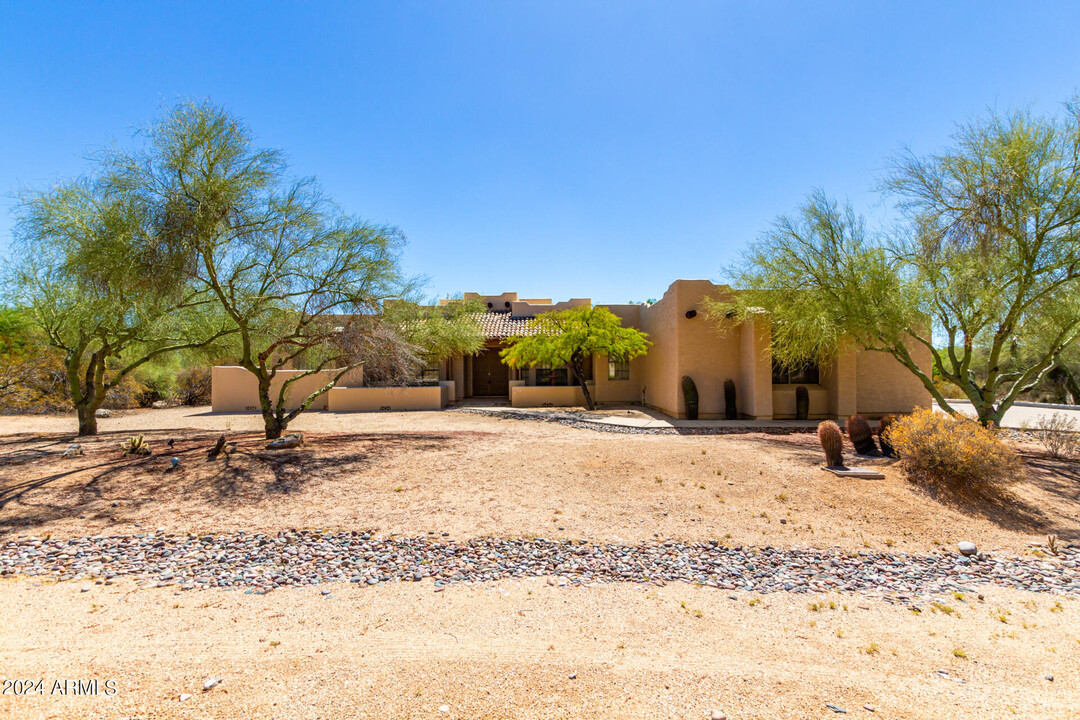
(685, 343)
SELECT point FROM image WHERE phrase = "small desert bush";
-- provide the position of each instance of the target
(193, 386)
(1058, 435)
(953, 451)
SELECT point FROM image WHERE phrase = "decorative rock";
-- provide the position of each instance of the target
(159, 404)
(210, 683)
(835, 708)
(103, 413)
(1049, 677)
(85, 588)
(300, 558)
(185, 696)
(73, 450)
(285, 442)
(573, 676)
(717, 715)
(967, 548)
(444, 709)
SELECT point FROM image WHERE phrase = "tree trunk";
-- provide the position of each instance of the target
(579, 375)
(1071, 385)
(87, 420)
(273, 427)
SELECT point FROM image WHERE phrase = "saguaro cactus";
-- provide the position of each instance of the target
(832, 442)
(883, 436)
(730, 411)
(862, 437)
(690, 397)
(802, 403)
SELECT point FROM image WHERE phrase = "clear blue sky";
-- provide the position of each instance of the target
(556, 149)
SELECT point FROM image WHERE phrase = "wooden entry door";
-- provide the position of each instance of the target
(490, 375)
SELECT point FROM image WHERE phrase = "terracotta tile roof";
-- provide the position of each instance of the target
(497, 325)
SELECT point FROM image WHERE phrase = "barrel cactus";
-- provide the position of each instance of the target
(832, 442)
(690, 397)
(802, 403)
(862, 437)
(883, 436)
(730, 411)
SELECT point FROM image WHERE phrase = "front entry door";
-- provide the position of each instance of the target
(490, 375)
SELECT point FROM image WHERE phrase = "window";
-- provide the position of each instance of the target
(523, 374)
(618, 369)
(429, 369)
(548, 376)
(807, 374)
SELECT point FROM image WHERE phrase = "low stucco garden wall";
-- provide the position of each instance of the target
(783, 401)
(234, 389)
(375, 399)
(562, 396)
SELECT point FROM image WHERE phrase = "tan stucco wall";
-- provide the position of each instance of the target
(706, 354)
(885, 386)
(754, 397)
(371, 399)
(234, 389)
(448, 392)
(561, 396)
(621, 391)
(839, 380)
(660, 378)
(783, 402)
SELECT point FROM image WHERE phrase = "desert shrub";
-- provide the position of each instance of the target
(130, 393)
(952, 450)
(193, 386)
(1058, 435)
(33, 380)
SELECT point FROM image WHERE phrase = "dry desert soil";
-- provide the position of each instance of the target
(519, 648)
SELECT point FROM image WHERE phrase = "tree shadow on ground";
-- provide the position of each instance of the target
(37, 486)
(1057, 480)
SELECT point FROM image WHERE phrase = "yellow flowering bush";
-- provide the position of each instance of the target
(952, 450)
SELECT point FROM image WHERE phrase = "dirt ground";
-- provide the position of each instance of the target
(470, 475)
(530, 650)
(517, 649)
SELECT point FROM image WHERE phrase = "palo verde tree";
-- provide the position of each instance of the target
(571, 337)
(983, 271)
(289, 269)
(438, 330)
(105, 280)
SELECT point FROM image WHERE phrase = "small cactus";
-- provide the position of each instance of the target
(690, 397)
(883, 436)
(136, 445)
(832, 442)
(802, 403)
(862, 437)
(731, 412)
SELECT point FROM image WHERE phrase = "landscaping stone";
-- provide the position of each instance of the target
(265, 562)
(967, 548)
